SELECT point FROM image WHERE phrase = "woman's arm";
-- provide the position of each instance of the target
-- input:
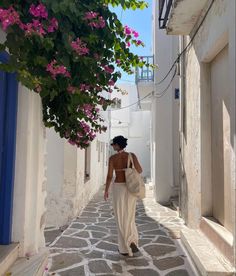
(137, 164)
(109, 177)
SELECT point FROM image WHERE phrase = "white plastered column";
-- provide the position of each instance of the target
(29, 188)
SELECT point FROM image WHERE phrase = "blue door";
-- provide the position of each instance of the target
(8, 113)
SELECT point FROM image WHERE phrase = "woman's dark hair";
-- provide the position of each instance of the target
(120, 140)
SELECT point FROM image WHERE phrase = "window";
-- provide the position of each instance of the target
(87, 165)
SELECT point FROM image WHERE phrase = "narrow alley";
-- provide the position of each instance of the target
(88, 245)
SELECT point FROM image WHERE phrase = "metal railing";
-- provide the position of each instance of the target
(164, 12)
(145, 73)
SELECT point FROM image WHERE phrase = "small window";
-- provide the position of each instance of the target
(87, 165)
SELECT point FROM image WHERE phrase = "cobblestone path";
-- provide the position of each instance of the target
(88, 246)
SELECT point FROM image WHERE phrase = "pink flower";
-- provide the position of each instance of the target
(71, 89)
(90, 15)
(53, 25)
(118, 61)
(139, 42)
(55, 70)
(128, 44)
(95, 21)
(111, 82)
(136, 34)
(38, 11)
(80, 47)
(127, 30)
(108, 69)
(9, 17)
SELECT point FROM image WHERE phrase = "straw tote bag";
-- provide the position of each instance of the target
(134, 181)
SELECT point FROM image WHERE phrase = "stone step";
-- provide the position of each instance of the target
(206, 257)
(32, 266)
(8, 255)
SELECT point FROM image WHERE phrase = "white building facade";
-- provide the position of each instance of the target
(207, 127)
(129, 120)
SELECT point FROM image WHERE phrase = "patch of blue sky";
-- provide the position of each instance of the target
(140, 21)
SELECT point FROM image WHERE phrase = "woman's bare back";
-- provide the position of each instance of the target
(119, 163)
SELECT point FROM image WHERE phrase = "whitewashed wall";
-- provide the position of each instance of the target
(29, 185)
(68, 190)
(29, 189)
(165, 116)
(134, 124)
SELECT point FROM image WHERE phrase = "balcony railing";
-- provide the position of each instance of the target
(146, 72)
(164, 12)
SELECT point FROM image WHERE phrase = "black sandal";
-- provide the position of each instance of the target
(134, 247)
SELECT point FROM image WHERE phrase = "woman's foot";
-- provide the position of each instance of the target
(134, 247)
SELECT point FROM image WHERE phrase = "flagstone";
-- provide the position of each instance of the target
(82, 234)
(64, 260)
(117, 268)
(180, 272)
(77, 271)
(164, 240)
(77, 226)
(98, 234)
(94, 255)
(168, 263)
(142, 272)
(159, 250)
(107, 246)
(69, 242)
(136, 262)
(99, 266)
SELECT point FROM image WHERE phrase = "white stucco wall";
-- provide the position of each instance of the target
(217, 31)
(134, 124)
(165, 116)
(68, 191)
(29, 188)
(29, 184)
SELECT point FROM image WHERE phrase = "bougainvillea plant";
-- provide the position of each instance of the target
(68, 51)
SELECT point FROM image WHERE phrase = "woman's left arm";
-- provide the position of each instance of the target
(137, 164)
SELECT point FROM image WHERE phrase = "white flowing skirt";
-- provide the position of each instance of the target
(124, 206)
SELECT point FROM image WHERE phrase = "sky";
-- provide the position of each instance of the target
(140, 21)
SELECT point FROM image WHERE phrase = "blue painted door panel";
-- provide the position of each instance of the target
(8, 115)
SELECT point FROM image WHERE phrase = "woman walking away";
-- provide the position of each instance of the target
(124, 203)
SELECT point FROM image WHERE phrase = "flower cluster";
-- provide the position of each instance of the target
(80, 47)
(10, 16)
(132, 34)
(95, 20)
(38, 11)
(54, 69)
(65, 52)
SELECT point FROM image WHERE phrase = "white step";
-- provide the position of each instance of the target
(206, 257)
(8, 255)
(32, 266)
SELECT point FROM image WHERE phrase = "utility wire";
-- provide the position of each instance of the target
(159, 95)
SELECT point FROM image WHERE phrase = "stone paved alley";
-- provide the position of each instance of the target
(88, 245)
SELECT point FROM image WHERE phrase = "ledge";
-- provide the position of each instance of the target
(206, 257)
(219, 236)
(8, 255)
(32, 266)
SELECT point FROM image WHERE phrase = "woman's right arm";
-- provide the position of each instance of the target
(137, 164)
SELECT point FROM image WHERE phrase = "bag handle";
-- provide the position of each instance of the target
(130, 159)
